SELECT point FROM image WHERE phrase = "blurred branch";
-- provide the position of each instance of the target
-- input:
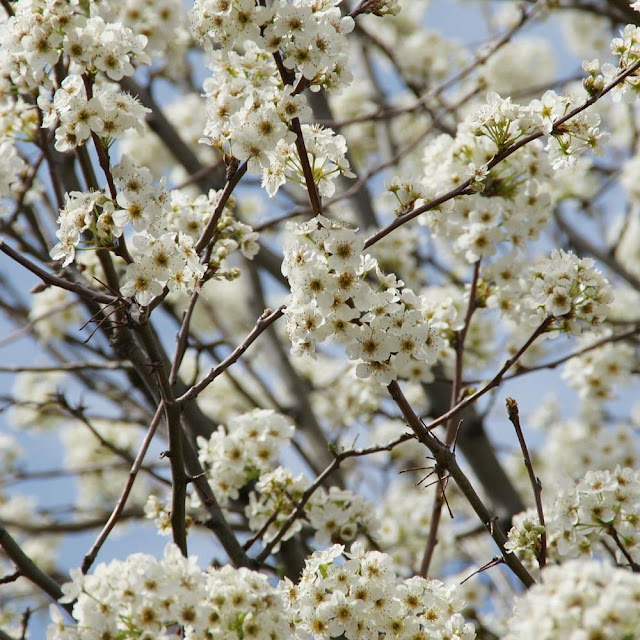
(29, 570)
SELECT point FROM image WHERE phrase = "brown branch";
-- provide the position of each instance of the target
(176, 444)
(69, 366)
(265, 320)
(312, 187)
(635, 567)
(615, 337)
(49, 278)
(6, 5)
(29, 569)
(536, 485)
(440, 499)
(446, 459)
(495, 381)
(230, 185)
(76, 526)
(122, 501)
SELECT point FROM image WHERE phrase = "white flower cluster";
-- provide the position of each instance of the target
(385, 328)
(627, 48)
(247, 447)
(150, 599)
(163, 239)
(109, 113)
(11, 167)
(603, 507)
(158, 509)
(190, 216)
(595, 374)
(512, 201)
(562, 285)
(101, 473)
(80, 212)
(147, 599)
(579, 599)
(187, 114)
(339, 397)
(569, 289)
(36, 396)
(44, 33)
(326, 152)
(249, 108)
(163, 22)
(337, 515)
(10, 452)
(362, 599)
(309, 35)
(40, 31)
(53, 312)
(275, 498)
(340, 514)
(573, 138)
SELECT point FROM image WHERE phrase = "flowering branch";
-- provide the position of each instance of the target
(464, 188)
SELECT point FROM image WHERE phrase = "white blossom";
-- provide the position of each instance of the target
(578, 599)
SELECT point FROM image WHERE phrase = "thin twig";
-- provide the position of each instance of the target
(514, 417)
(447, 461)
(122, 501)
(223, 199)
(495, 381)
(635, 567)
(318, 482)
(29, 570)
(265, 320)
(49, 278)
(69, 366)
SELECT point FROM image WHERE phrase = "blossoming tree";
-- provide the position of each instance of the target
(283, 257)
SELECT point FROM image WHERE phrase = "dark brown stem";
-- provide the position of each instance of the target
(29, 570)
(635, 567)
(176, 444)
(49, 278)
(183, 339)
(122, 501)
(446, 459)
(440, 498)
(312, 187)
(210, 229)
(514, 417)
(267, 318)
